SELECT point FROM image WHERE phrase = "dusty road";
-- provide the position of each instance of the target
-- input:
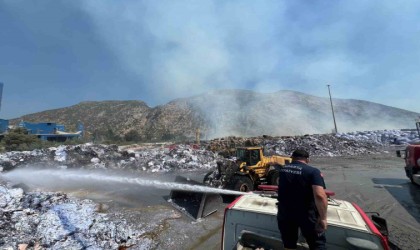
(377, 183)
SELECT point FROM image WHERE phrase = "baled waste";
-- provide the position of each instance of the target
(54, 221)
(182, 157)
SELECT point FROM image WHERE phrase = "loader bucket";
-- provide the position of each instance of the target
(195, 205)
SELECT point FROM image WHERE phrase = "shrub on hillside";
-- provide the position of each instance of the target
(132, 136)
(19, 140)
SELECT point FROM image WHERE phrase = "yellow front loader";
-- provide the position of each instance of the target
(244, 173)
(247, 170)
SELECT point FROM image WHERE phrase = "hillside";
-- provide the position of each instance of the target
(228, 112)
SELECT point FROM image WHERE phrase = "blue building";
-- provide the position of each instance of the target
(51, 131)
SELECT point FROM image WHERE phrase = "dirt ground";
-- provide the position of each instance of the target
(377, 183)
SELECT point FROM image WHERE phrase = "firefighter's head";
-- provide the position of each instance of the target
(300, 155)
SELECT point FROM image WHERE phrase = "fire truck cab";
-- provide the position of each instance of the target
(250, 222)
(411, 155)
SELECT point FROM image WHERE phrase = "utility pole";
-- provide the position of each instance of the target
(332, 109)
(197, 136)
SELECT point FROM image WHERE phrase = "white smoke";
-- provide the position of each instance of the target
(181, 48)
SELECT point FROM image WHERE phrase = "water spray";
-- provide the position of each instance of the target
(69, 175)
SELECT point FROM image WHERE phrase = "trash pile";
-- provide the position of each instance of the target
(42, 220)
(184, 157)
(341, 144)
(98, 156)
(316, 145)
(397, 137)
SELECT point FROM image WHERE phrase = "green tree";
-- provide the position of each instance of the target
(111, 136)
(19, 140)
(132, 136)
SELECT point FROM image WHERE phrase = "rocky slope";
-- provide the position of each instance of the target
(227, 113)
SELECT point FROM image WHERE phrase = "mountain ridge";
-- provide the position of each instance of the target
(220, 113)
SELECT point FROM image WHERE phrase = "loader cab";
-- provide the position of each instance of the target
(251, 156)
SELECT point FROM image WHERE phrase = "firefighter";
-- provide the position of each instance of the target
(302, 203)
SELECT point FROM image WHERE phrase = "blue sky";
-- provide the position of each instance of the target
(56, 53)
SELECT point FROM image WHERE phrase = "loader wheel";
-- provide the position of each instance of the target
(241, 183)
(207, 179)
(411, 179)
(273, 178)
(411, 176)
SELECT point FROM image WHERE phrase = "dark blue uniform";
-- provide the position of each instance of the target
(296, 204)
